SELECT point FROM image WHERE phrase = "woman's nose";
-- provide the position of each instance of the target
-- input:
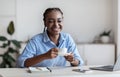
(56, 23)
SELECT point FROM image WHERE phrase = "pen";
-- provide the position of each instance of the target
(49, 69)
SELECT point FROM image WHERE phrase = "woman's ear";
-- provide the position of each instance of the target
(45, 28)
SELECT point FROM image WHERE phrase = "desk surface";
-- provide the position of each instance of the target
(56, 72)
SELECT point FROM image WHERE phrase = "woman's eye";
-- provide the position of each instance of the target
(50, 21)
(59, 21)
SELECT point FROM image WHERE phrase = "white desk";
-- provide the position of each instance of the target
(56, 72)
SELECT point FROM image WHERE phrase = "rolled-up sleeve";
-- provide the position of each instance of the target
(28, 52)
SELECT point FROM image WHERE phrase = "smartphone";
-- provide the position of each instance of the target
(80, 70)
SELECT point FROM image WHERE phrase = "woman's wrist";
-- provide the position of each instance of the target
(72, 61)
(75, 62)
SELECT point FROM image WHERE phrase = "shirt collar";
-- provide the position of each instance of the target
(47, 39)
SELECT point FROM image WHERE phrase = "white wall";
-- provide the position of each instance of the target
(83, 19)
(7, 13)
(118, 29)
(115, 24)
(115, 19)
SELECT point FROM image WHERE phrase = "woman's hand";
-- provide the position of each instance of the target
(52, 53)
(69, 57)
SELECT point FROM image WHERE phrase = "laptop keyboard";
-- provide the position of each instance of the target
(109, 66)
(103, 68)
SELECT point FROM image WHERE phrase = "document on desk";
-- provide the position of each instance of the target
(39, 69)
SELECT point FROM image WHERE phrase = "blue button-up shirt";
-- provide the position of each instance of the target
(41, 43)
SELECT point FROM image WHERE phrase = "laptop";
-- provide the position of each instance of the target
(114, 67)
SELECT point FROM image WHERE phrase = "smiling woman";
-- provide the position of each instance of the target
(92, 17)
(53, 19)
(42, 49)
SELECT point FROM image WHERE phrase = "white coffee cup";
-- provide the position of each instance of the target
(62, 51)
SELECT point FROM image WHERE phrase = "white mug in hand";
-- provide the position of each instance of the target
(62, 51)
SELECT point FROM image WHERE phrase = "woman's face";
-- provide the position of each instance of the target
(54, 22)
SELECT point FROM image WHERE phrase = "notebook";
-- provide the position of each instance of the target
(39, 69)
(114, 67)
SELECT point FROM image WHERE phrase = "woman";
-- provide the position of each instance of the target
(42, 50)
